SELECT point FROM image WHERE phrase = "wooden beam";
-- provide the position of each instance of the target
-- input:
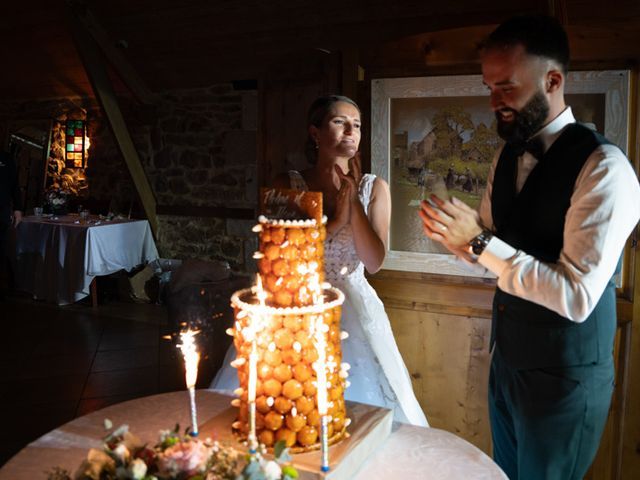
(350, 70)
(101, 84)
(206, 212)
(121, 65)
(558, 9)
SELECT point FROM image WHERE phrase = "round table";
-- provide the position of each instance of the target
(409, 452)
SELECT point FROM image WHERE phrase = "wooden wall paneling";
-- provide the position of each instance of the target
(445, 345)
(619, 401)
(631, 450)
(455, 51)
(608, 461)
(288, 90)
(436, 293)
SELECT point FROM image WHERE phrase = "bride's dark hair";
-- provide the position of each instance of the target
(318, 111)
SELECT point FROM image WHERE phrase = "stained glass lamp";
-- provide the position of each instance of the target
(75, 148)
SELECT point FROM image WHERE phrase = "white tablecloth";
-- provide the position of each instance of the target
(56, 259)
(408, 453)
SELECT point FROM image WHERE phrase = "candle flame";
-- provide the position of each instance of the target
(255, 324)
(238, 362)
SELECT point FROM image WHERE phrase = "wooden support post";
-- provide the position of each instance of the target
(94, 65)
(115, 57)
(558, 9)
(350, 73)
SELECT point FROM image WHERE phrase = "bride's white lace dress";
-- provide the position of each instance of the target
(378, 375)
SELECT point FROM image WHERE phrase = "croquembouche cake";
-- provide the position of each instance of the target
(287, 330)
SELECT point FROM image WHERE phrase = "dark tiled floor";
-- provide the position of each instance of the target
(57, 363)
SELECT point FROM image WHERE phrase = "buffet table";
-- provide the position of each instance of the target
(409, 452)
(57, 258)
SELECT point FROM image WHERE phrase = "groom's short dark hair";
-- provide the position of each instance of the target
(540, 35)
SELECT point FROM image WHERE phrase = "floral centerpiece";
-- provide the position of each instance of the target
(56, 200)
(175, 457)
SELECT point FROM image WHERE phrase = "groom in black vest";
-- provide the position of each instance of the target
(559, 204)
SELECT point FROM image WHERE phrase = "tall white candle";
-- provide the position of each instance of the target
(320, 367)
(251, 397)
(253, 372)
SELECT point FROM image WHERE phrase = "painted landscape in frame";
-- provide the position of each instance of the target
(437, 135)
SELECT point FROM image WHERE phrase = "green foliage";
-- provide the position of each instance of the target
(472, 157)
(279, 448)
(289, 472)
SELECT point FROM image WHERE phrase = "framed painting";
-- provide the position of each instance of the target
(437, 134)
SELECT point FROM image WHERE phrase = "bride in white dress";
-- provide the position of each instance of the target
(359, 209)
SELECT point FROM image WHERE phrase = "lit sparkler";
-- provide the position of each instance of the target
(191, 359)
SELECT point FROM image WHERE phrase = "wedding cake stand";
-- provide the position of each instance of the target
(370, 426)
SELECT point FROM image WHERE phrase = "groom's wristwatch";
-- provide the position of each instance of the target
(478, 244)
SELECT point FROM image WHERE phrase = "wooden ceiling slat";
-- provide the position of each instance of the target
(196, 42)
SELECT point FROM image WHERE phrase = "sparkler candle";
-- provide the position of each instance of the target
(320, 367)
(191, 359)
(255, 325)
(251, 397)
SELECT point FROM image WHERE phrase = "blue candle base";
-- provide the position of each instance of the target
(324, 469)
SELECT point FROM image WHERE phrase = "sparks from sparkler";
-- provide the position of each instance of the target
(191, 359)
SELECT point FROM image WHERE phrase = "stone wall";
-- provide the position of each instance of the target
(202, 153)
(198, 148)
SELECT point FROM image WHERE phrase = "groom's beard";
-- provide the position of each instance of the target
(526, 122)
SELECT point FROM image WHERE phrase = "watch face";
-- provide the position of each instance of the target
(479, 243)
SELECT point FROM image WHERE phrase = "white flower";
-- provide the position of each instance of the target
(272, 470)
(184, 457)
(137, 469)
(122, 453)
(164, 434)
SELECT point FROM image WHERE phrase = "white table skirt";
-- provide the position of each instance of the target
(56, 260)
(409, 453)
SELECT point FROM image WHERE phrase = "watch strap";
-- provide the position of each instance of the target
(480, 242)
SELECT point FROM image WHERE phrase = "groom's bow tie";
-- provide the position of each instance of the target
(534, 146)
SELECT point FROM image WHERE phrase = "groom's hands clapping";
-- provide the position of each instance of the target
(450, 222)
